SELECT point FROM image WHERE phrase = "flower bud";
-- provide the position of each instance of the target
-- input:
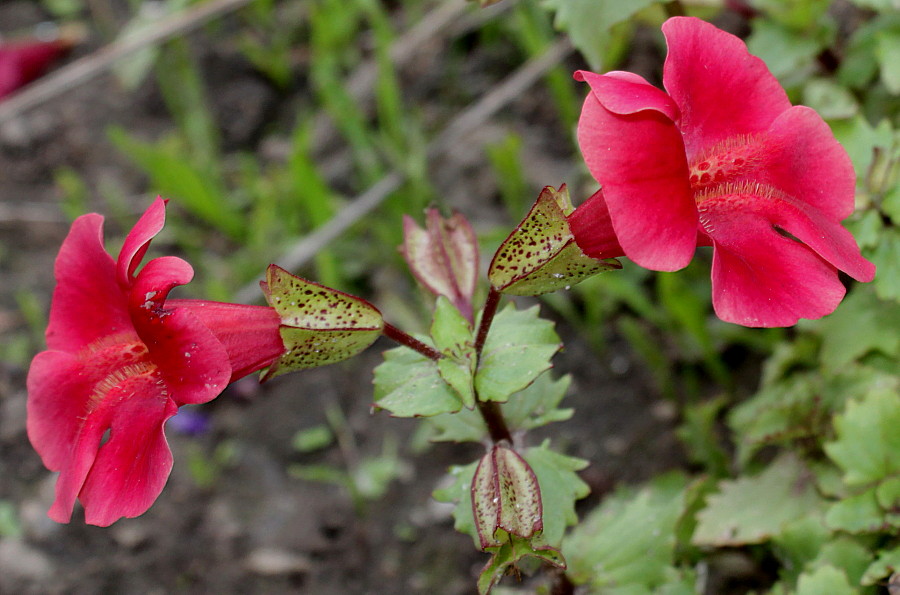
(541, 255)
(319, 325)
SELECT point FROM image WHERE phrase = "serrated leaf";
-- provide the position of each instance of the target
(868, 441)
(538, 403)
(825, 579)
(540, 255)
(628, 542)
(319, 325)
(777, 413)
(560, 488)
(888, 562)
(856, 514)
(517, 350)
(754, 509)
(452, 336)
(845, 553)
(409, 385)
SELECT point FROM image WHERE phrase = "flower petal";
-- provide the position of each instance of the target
(138, 240)
(722, 90)
(626, 93)
(58, 392)
(804, 160)
(249, 333)
(131, 469)
(640, 163)
(592, 227)
(193, 362)
(87, 303)
(760, 277)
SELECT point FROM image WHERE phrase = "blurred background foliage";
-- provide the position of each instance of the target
(756, 407)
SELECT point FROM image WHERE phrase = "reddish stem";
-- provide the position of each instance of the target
(392, 332)
(487, 317)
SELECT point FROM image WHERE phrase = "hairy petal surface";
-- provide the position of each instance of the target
(721, 89)
(761, 277)
(639, 160)
(87, 303)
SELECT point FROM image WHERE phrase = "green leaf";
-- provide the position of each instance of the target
(699, 434)
(825, 579)
(538, 403)
(408, 384)
(868, 441)
(888, 53)
(832, 100)
(629, 540)
(540, 255)
(886, 258)
(588, 23)
(319, 325)
(535, 406)
(458, 492)
(856, 514)
(798, 544)
(754, 509)
(862, 324)
(888, 562)
(846, 553)
(560, 488)
(788, 55)
(510, 553)
(517, 350)
(452, 336)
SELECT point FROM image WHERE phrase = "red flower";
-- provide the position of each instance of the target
(722, 159)
(21, 63)
(122, 358)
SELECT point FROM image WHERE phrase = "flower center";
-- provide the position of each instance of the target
(727, 162)
(115, 360)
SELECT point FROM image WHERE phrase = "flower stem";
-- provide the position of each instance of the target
(490, 410)
(495, 422)
(487, 317)
(392, 332)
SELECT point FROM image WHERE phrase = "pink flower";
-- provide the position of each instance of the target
(122, 358)
(722, 159)
(21, 63)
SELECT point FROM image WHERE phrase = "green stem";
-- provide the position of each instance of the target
(392, 332)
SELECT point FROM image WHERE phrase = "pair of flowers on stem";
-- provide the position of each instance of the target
(719, 159)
